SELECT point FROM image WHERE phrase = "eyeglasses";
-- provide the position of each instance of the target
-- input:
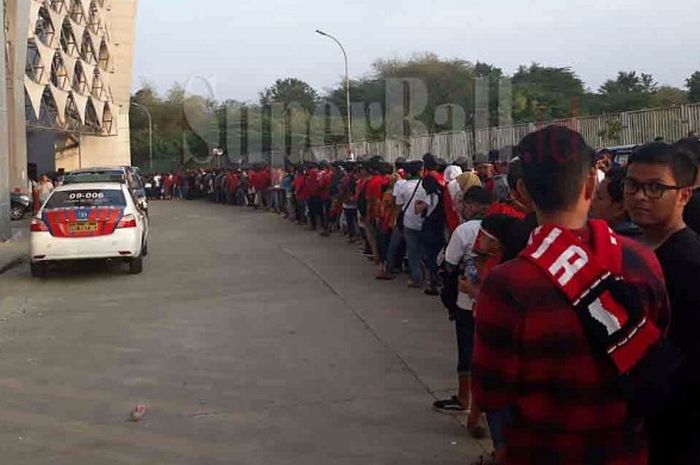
(652, 190)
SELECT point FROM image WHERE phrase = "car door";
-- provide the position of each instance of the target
(141, 216)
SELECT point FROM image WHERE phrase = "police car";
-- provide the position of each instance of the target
(89, 221)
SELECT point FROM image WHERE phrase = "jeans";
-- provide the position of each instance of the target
(300, 207)
(274, 200)
(413, 250)
(382, 241)
(316, 214)
(351, 218)
(393, 260)
(432, 242)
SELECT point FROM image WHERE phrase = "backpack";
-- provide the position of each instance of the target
(436, 220)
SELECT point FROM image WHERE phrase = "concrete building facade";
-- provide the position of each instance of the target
(65, 105)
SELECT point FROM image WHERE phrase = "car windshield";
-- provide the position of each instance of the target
(87, 198)
(94, 176)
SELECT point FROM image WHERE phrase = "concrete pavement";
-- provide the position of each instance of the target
(16, 250)
(250, 340)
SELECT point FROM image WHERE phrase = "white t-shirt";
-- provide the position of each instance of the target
(461, 248)
(411, 219)
(398, 186)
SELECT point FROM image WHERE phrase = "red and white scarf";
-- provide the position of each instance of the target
(615, 321)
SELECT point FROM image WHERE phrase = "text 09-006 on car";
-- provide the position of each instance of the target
(89, 221)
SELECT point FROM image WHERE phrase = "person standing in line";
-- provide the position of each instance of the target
(460, 264)
(544, 351)
(416, 204)
(657, 188)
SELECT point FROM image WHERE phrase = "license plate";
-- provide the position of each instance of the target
(82, 227)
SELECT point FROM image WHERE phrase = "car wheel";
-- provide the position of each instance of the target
(38, 269)
(136, 265)
(16, 213)
(144, 249)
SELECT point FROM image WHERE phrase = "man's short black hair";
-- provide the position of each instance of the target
(430, 162)
(413, 167)
(691, 146)
(386, 168)
(498, 226)
(615, 177)
(556, 162)
(478, 195)
(678, 157)
(515, 172)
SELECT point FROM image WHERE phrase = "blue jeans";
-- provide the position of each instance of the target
(431, 243)
(351, 218)
(413, 251)
(393, 261)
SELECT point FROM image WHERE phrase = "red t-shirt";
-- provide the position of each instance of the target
(375, 186)
(504, 208)
(265, 179)
(233, 183)
(325, 179)
(360, 187)
(438, 177)
(451, 217)
(312, 183)
(299, 187)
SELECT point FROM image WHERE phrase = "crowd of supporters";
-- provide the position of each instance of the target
(573, 282)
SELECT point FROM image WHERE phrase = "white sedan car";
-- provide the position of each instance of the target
(89, 221)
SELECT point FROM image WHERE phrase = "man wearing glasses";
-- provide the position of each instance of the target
(658, 186)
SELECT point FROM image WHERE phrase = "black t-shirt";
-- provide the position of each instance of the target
(518, 236)
(691, 215)
(680, 259)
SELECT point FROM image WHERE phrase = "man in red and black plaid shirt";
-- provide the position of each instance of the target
(532, 355)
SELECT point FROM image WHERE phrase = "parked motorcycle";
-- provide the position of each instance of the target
(20, 205)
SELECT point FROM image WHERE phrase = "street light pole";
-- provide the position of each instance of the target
(347, 87)
(150, 134)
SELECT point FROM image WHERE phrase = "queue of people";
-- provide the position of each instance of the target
(573, 283)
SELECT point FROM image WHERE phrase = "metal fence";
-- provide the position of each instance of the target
(634, 127)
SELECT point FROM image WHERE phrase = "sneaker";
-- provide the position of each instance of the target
(384, 276)
(451, 406)
(432, 290)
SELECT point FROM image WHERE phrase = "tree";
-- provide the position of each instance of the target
(630, 91)
(693, 84)
(450, 86)
(542, 93)
(667, 96)
(290, 91)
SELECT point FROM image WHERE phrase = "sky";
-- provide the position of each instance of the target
(242, 46)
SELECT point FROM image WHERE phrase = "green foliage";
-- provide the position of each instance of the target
(612, 132)
(290, 115)
(630, 91)
(543, 93)
(693, 84)
(290, 91)
(667, 96)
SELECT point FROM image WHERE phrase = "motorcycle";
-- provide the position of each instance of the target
(20, 205)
